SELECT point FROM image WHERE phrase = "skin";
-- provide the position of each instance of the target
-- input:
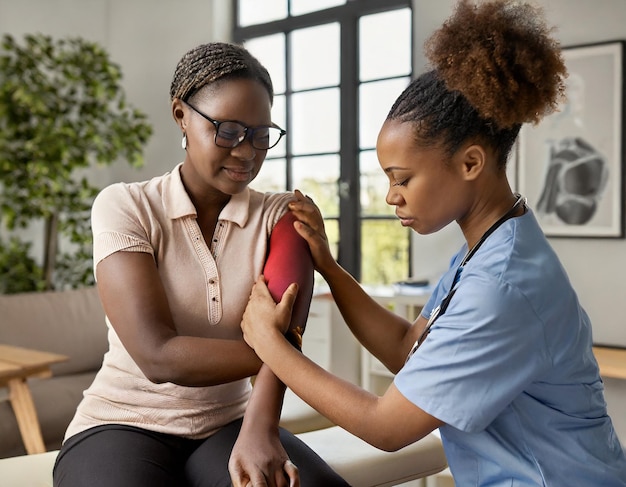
(429, 191)
(136, 303)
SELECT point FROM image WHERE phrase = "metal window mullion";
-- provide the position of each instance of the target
(349, 202)
(288, 110)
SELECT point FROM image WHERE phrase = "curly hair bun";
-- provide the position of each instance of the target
(500, 55)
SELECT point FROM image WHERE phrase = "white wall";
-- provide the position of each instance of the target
(147, 38)
(596, 266)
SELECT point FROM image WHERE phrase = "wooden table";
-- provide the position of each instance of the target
(16, 365)
(612, 361)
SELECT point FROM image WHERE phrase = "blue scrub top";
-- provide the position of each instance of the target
(509, 368)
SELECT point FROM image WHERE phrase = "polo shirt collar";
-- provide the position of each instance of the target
(178, 204)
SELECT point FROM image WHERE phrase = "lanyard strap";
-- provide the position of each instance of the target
(509, 214)
(441, 309)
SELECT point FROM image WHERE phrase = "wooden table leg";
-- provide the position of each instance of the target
(26, 415)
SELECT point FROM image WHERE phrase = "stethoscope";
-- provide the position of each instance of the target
(443, 306)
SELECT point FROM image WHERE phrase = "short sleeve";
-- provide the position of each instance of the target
(116, 221)
(481, 354)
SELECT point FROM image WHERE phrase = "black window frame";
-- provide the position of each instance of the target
(347, 15)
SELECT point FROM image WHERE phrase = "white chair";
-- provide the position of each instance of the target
(359, 463)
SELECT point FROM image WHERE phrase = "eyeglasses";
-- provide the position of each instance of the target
(229, 134)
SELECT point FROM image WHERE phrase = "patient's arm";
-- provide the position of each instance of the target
(258, 453)
(289, 260)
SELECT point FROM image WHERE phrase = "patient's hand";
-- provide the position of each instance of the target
(260, 459)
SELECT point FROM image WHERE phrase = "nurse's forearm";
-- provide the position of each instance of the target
(389, 422)
(379, 330)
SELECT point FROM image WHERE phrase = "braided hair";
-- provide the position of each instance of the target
(495, 67)
(217, 61)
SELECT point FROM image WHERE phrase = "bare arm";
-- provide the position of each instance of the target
(388, 422)
(136, 304)
(258, 454)
(288, 260)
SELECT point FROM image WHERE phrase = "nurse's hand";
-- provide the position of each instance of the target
(264, 321)
(310, 226)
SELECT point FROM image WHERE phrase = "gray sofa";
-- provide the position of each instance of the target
(72, 323)
(66, 322)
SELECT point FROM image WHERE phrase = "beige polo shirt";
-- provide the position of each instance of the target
(207, 289)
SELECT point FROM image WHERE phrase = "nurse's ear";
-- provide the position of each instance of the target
(472, 161)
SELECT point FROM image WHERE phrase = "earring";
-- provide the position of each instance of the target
(183, 143)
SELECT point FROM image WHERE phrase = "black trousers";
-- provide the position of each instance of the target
(126, 456)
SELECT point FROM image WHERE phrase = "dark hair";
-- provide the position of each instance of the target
(209, 63)
(495, 67)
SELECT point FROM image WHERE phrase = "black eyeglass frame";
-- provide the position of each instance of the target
(247, 131)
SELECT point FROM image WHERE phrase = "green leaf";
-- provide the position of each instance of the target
(62, 109)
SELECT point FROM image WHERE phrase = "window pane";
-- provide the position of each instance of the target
(317, 177)
(384, 252)
(331, 226)
(270, 50)
(332, 232)
(258, 11)
(315, 57)
(315, 117)
(303, 55)
(272, 176)
(385, 44)
(374, 187)
(375, 100)
(279, 117)
(299, 7)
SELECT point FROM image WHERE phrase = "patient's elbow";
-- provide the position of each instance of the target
(156, 373)
(158, 368)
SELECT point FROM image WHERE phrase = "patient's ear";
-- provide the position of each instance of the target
(178, 112)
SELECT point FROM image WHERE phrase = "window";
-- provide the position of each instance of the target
(337, 67)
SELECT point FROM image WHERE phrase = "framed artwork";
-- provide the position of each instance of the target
(571, 165)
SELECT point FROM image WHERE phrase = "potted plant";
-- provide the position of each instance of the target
(62, 111)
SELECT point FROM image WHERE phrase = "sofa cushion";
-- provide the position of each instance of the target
(55, 400)
(28, 470)
(66, 322)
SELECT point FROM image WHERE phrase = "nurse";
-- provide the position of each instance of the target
(500, 359)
